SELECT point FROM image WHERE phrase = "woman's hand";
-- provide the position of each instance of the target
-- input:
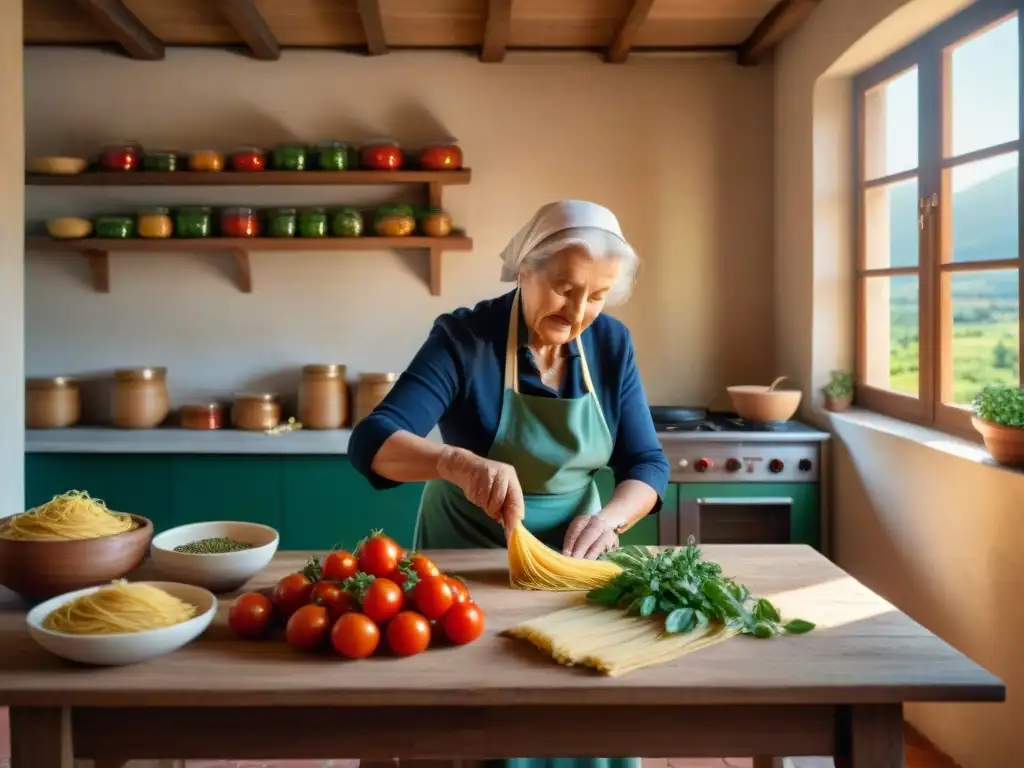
(490, 485)
(589, 537)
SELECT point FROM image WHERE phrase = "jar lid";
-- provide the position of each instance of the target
(314, 210)
(154, 211)
(239, 211)
(332, 145)
(382, 141)
(259, 397)
(247, 148)
(282, 211)
(194, 209)
(161, 153)
(449, 142)
(114, 217)
(54, 382)
(152, 373)
(325, 369)
(378, 378)
(201, 407)
(290, 145)
(204, 152)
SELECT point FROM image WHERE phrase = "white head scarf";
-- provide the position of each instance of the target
(549, 220)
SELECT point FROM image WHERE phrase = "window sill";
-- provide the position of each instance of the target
(923, 436)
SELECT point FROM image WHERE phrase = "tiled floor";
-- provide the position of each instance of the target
(920, 754)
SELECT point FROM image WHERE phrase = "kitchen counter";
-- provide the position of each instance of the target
(838, 689)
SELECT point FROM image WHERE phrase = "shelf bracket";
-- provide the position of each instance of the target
(99, 267)
(244, 269)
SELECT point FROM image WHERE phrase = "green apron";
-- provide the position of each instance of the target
(556, 446)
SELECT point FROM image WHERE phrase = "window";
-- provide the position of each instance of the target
(939, 219)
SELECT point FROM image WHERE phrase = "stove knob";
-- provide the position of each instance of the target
(775, 466)
(733, 465)
(703, 465)
(805, 465)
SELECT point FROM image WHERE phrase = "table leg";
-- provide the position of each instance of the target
(41, 737)
(870, 736)
(767, 761)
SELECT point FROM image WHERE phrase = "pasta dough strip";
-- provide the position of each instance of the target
(534, 565)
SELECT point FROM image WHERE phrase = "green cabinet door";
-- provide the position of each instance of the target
(645, 532)
(224, 487)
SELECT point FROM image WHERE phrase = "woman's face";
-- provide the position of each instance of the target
(562, 297)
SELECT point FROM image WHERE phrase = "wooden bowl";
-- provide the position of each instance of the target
(759, 403)
(41, 569)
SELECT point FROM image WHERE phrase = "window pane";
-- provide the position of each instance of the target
(890, 126)
(984, 90)
(986, 332)
(891, 333)
(890, 225)
(984, 210)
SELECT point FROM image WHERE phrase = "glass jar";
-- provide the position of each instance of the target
(440, 156)
(205, 160)
(256, 412)
(372, 388)
(323, 396)
(114, 227)
(200, 416)
(281, 222)
(381, 155)
(160, 161)
(347, 222)
(313, 223)
(239, 222)
(333, 156)
(290, 157)
(51, 403)
(121, 157)
(155, 223)
(247, 159)
(141, 400)
(193, 221)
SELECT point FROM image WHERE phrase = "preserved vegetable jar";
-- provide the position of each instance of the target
(247, 159)
(372, 388)
(160, 161)
(193, 221)
(333, 156)
(290, 157)
(121, 157)
(381, 155)
(51, 403)
(323, 396)
(205, 160)
(347, 222)
(141, 400)
(440, 156)
(200, 416)
(155, 223)
(281, 222)
(114, 227)
(256, 412)
(313, 223)
(239, 222)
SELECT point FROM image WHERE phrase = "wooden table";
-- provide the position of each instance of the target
(836, 691)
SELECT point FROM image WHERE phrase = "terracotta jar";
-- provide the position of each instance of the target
(141, 400)
(372, 388)
(323, 397)
(256, 411)
(200, 416)
(51, 403)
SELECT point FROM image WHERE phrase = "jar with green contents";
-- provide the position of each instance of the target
(347, 222)
(281, 222)
(193, 221)
(333, 156)
(114, 227)
(290, 157)
(160, 161)
(313, 223)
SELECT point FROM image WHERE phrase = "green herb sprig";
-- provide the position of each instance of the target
(688, 593)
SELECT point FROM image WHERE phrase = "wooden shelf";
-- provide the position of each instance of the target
(259, 178)
(98, 251)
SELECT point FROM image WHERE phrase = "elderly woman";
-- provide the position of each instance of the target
(534, 392)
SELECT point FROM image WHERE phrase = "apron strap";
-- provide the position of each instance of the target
(512, 353)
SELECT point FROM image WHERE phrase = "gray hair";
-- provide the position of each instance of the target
(599, 244)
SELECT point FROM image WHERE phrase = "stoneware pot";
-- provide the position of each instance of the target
(838, 404)
(1005, 444)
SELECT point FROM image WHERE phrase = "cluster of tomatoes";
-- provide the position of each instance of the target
(352, 601)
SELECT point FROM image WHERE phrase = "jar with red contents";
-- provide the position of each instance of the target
(381, 155)
(441, 156)
(239, 222)
(121, 157)
(248, 159)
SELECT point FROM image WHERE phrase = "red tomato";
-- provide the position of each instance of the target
(332, 597)
(250, 615)
(355, 636)
(383, 600)
(291, 593)
(460, 593)
(433, 597)
(379, 556)
(338, 566)
(408, 634)
(307, 627)
(424, 566)
(464, 623)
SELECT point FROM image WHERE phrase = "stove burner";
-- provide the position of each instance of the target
(669, 419)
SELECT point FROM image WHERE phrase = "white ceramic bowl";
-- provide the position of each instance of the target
(223, 572)
(127, 647)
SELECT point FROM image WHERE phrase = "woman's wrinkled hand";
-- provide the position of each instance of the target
(589, 537)
(490, 485)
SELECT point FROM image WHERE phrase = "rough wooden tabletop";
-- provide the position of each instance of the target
(863, 651)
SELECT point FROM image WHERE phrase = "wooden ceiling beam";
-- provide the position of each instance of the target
(626, 34)
(782, 20)
(245, 18)
(125, 27)
(497, 31)
(373, 26)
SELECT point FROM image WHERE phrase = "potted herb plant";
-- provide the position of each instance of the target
(998, 414)
(839, 391)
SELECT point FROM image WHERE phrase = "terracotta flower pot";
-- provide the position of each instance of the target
(838, 404)
(1006, 444)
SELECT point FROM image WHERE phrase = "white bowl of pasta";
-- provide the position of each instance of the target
(122, 623)
(220, 556)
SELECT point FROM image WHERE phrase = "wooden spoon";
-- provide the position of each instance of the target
(771, 387)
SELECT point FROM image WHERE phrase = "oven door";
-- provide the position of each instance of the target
(765, 520)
